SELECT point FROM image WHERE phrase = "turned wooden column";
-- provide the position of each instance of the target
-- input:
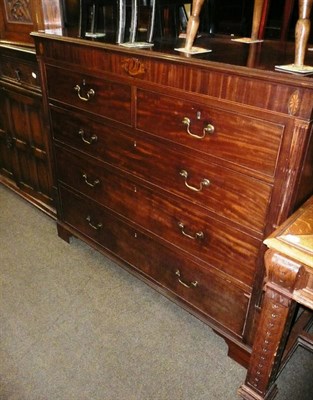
(193, 23)
(302, 31)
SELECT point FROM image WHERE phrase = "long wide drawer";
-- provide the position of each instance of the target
(196, 286)
(98, 96)
(241, 139)
(232, 195)
(185, 226)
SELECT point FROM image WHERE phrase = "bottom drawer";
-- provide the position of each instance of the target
(206, 291)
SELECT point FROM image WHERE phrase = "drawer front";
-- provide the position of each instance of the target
(20, 72)
(98, 96)
(176, 273)
(247, 141)
(232, 195)
(79, 131)
(188, 228)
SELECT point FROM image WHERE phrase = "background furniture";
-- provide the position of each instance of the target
(302, 30)
(171, 17)
(19, 18)
(24, 160)
(132, 20)
(289, 280)
(25, 164)
(286, 17)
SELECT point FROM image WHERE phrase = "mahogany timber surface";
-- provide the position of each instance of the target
(124, 157)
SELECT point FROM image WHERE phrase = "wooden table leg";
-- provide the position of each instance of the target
(302, 31)
(193, 23)
(257, 15)
(289, 5)
(277, 313)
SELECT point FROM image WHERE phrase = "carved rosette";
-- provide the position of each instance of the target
(18, 11)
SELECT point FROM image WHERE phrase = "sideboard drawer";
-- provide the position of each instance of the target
(238, 138)
(186, 227)
(162, 265)
(98, 96)
(18, 71)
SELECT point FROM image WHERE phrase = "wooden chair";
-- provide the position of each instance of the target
(288, 9)
(171, 17)
(124, 16)
(93, 18)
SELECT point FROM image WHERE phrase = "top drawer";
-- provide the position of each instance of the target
(238, 138)
(98, 96)
(19, 71)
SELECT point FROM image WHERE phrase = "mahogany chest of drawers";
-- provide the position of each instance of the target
(178, 168)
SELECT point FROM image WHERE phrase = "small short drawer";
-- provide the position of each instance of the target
(18, 71)
(200, 288)
(184, 226)
(98, 96)
(241, 139)
(79, 131)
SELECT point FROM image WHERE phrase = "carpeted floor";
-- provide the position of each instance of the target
(74, 326)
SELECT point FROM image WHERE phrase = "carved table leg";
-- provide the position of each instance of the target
(257, 14)
(276, 315)
(302, 31)
(193, 23)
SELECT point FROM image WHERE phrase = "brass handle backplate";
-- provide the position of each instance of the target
(208, 129)
(89, 94)
(92, 225)
(197, 235)
(90, 140)
(92, 184)
(190, 285)
(204, 183)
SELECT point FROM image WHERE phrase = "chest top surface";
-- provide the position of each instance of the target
(235, 73)
(255, 58)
